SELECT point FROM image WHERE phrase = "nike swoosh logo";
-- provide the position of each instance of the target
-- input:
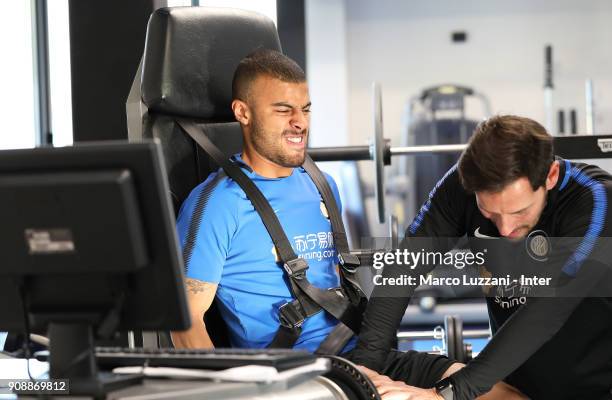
(481, 235)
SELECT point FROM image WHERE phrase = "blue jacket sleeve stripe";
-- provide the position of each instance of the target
(196, 218)
(596, 225)
(568, 168)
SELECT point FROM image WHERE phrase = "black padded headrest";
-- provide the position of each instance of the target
(191, 54)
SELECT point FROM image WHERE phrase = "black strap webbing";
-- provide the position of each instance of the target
(285, 337)
(336, 340)
(348, 262)
(335, 218)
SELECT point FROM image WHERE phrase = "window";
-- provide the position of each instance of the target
(59, 72)
(17, 76)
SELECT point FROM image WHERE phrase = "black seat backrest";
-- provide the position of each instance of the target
(190, 57)
(189, 61)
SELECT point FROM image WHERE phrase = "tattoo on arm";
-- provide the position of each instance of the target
(195, 286)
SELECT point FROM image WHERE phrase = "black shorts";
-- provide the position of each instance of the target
(414, 368)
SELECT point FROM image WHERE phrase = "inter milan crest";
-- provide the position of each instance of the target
(538, 245)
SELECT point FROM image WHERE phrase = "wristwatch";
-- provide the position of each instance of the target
(444, 388)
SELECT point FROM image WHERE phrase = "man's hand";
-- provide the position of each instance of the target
(397, 390)
(368, 372)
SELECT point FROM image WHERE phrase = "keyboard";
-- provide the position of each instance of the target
(215, 359)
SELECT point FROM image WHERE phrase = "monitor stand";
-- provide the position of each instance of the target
(71, 357)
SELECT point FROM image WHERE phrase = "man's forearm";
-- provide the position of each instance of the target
(536, 323)
(200, 295)
(400, 390)
(379, 330)
(387, 306)
(452, 369)
(500, 391)
(195, 337)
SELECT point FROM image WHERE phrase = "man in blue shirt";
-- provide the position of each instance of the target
(227, 251)
(233, 250)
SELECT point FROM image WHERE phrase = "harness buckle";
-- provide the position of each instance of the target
(289, 316)
(349, 262)
(296, 268)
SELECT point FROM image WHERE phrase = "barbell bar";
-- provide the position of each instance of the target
(380, 150)
(361, 153)
(452, 337)
(434, 334)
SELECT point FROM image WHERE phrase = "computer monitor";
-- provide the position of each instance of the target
(88, 248)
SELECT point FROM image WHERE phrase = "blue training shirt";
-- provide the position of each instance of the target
(224, 241)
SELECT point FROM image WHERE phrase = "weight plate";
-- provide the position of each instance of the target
(393, 232)
(377, 150)
(450, 338)
(460, 356)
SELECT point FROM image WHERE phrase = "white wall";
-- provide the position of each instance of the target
(406, 46)
(327, 71)
(327, 74)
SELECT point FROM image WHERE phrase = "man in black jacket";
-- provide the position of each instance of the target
(508, 185)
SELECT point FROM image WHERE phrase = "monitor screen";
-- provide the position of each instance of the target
(87, 231)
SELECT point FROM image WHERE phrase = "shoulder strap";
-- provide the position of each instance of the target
(340, 240)
(348, 262)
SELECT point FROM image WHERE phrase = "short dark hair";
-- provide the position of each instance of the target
(503, 149)
(264, 62)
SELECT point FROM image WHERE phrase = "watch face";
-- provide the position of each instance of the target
(446, 392)
(445, 389)
(442, 384)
